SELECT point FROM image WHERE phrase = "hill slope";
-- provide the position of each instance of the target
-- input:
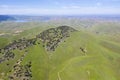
(60, 53)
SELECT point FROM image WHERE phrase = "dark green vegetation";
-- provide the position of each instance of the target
(88, 50)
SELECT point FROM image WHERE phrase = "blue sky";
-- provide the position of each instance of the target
(59, 7)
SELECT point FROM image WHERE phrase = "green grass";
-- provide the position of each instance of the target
(40, 62)
(72, 64)
(3, 42)
(68, 62)
(108, 30)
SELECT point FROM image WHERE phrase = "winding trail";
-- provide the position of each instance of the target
(59, 78)
(88, 72)
(58, 73)
(68, 63)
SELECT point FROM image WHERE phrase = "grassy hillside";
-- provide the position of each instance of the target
(108, 30)
(80, 56)
(3, 42)
(73, 64)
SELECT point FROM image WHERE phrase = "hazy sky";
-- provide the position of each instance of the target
(59, 7)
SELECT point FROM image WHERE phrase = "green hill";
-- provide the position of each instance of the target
(61, 53)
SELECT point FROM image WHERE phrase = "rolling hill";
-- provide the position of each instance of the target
(61, 53)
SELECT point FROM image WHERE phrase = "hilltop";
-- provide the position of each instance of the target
(60, 53)
(51, 36)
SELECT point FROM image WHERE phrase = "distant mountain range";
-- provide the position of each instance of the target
(6, 18)
(25, 18)
(22, 18)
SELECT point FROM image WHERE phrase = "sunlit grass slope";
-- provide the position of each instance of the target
(82, 56)
(70, 63)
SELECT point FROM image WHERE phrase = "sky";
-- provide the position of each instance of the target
(59, 7)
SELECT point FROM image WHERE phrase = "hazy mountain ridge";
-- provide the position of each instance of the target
(25, 18)
(6, 18)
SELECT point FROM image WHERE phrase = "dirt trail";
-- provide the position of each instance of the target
(58, 74)
(88, 72)
(59, 78)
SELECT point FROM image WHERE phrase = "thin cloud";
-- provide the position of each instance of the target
(71, 7)
(98, 3)
(58, 11)
(56, 3)
(4, 6)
